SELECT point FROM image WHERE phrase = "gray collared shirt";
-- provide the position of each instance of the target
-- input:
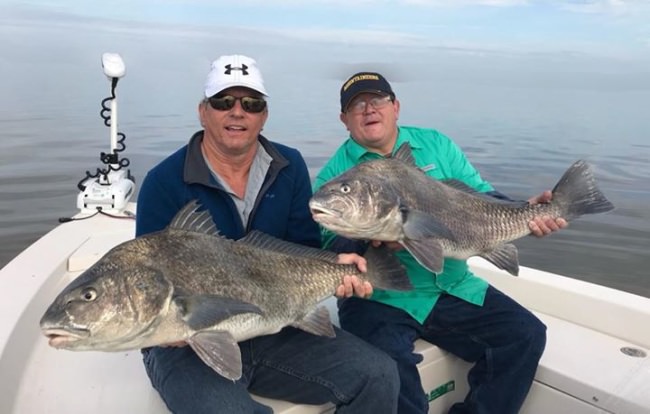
(256, 175)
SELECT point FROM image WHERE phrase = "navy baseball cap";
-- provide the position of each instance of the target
(364, 82)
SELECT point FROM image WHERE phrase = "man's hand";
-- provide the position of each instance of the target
(543, 225)
(352, 285)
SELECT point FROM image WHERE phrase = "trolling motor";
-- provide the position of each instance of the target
(110, 188)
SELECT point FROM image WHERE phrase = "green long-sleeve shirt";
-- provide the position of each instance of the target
(440, 158)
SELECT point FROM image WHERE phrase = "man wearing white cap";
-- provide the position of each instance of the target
(247, 183)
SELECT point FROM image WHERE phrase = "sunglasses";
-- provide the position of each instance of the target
(248, 103)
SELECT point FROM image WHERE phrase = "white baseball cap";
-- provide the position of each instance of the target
(234, 70)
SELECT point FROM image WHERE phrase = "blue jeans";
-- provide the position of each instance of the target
(502, 338)
(291, 365)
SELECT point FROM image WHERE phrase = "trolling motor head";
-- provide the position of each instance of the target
(110, 188)
(113, 65)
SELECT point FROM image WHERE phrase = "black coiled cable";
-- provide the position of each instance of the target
(109, 159)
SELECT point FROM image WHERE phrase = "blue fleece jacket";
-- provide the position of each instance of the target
(281, 207)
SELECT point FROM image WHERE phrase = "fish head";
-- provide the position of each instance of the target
(359, 204)
(110, 307)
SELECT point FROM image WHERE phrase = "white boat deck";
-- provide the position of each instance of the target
(582, 371)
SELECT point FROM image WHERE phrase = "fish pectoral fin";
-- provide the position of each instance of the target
(219, 351)
(427, 252)
(419, 225)
(317, 322)
(504, 257)
(204, 311)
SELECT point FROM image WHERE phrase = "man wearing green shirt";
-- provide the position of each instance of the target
(454, 309)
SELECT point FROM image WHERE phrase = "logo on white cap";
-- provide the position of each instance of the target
(229, 68)
(234, 70)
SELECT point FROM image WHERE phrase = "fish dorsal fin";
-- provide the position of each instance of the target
(190, 219)
(459, 185)
(264, 241)
(405, 154)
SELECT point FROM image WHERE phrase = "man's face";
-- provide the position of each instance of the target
(233, 130)
(372, 121)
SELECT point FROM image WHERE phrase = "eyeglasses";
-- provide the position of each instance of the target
(360, 105)
(227, 102)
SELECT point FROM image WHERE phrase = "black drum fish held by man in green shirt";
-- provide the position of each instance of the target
(390, 199)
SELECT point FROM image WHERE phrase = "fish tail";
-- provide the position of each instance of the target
(385, 270)
(578, 194)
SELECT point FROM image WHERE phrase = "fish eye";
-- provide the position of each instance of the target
(89, 294)
(345, 188)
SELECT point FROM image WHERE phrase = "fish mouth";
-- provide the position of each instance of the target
(63, 337)
(318, 211)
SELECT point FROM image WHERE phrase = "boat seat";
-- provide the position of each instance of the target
(590, 367)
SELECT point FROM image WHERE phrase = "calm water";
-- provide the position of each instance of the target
(520, 126)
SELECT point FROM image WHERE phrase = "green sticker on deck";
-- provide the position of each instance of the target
(441, 390)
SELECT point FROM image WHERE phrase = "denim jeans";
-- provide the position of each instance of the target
(291, 365)
(502, 338)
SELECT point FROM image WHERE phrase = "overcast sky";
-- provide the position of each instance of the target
(616, 28)
(573, 44)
